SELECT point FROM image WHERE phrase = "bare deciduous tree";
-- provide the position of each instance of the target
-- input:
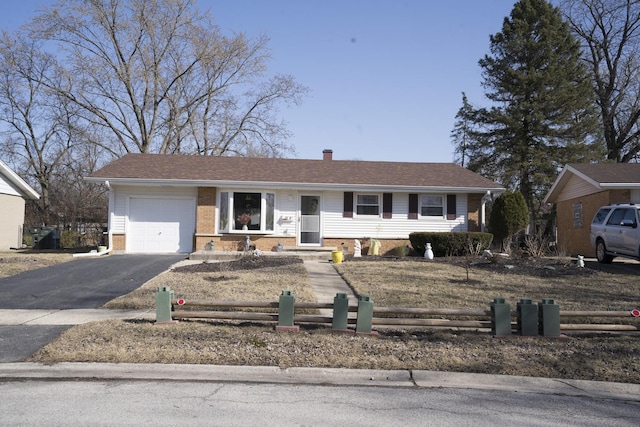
(610, 32)
(162, 78)
(38, 124)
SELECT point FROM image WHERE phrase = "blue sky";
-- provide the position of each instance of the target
(385, 76)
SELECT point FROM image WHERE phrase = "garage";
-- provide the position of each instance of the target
(161, 225)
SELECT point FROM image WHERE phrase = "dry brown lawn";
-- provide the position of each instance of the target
(604, 357)
(16, 262)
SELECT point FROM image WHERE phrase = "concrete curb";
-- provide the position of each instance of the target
(320, 376)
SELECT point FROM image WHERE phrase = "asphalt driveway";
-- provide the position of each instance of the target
(83, 282)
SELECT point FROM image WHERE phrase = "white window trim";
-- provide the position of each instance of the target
(263, 208)
(355, 205)
(433, 217)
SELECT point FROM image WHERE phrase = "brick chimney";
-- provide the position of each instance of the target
(327, 154)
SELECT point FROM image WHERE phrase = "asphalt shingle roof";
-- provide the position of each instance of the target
(272, 170)
(610, 172)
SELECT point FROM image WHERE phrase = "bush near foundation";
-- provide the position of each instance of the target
(451, 243)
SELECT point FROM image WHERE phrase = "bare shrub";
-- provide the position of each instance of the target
(537, 246)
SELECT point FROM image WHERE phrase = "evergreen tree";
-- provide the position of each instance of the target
(543, 113)
(462, 132)
(509, 216)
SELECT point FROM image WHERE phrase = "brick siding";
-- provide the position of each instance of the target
(575, 241)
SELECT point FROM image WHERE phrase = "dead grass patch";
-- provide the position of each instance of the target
(601, 357)
(444, 285)
(589, 357)
(12, 263)
(226, 284)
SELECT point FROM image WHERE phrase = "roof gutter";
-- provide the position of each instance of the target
(15, 179)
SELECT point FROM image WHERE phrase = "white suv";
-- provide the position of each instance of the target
(615, 232)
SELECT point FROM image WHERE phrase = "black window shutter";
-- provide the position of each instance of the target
(387, 203)
(413, 206)
(348, 205)
(451, 206)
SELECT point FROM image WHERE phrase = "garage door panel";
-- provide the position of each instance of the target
(161, 225)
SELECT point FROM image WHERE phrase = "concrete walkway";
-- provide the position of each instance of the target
(326, 283)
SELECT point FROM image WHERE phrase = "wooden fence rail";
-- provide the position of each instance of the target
(480, 320)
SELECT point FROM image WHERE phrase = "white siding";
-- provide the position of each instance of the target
(396, 227)
(7, 187)
(286, 213)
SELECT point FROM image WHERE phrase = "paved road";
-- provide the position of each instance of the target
(169, 403)
(81, 283)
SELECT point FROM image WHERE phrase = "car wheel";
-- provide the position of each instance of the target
(601, 253)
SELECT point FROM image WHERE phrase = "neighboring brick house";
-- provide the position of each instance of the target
(179, 203)
(580, 190)
(13, 193)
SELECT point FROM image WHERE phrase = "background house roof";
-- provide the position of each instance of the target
(20, 184)
(610, 173)
(602, 176)
(147, 168)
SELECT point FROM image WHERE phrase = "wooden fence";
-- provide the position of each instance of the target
(365, 319)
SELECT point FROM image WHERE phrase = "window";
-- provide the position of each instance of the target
(250, 211)
(431, 205)
(224, 212)
(368, 204)
(577, 215)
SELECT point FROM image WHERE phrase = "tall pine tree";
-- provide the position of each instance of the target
(542, 114)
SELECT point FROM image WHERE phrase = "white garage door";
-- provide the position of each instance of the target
(161, 225)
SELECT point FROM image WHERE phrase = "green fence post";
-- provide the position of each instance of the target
(527, 318)
(500, 317)
(286, 311)
(340, 312)
(365, 314)
(549, 314)
(163, 304)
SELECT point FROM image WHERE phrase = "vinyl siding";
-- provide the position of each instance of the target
(576, 187)
(8, 188)
(396, 227)
(11, 221)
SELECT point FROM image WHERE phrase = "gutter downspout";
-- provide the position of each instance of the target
(109, 232)
(486, 198)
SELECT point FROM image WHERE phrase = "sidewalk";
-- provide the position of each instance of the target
(20, 317)
(326, 283)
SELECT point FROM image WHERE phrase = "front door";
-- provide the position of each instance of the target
(310, 220)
